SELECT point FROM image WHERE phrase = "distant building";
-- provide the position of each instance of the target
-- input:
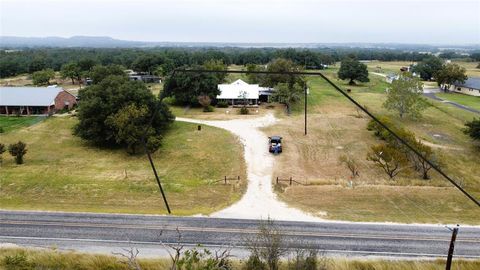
(391, 77)
(35, 100)
(233, 93)
(145, 78)
(470, 87)
(142, 76)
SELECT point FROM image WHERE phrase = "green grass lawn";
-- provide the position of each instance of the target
(62, 172)
(10, 123)
(466, 100)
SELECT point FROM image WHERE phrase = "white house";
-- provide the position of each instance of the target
(470, 87)
(234, 93)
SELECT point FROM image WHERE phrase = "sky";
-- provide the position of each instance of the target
(283, 21)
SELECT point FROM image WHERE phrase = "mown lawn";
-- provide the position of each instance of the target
(62, 172)
(337, 128)
(469, 101)
(26, 259)
(9, 123)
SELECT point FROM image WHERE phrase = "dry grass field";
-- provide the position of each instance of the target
(336, 128)
(29, 259)
(62, 172)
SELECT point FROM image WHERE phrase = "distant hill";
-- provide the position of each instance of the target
(108, 42)
(75, 41)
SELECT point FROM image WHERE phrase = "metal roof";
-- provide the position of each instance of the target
(235, 90)
(472, 82)
(28, 96)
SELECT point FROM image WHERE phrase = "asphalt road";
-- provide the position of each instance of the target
(106, 233)
(460, 106)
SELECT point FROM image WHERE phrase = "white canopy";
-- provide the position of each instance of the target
(235, 90)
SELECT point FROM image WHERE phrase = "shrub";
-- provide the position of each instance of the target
(473, 129)
(222, 104)
(204, 260)
(390, 159)
(208, 108)
(350, 163)
(2, 150)
(18, 150)
(255, 263)
(304, 260)
(267, 245)
(244, 110)
(378, 130)
(17, 262)
(2, 130)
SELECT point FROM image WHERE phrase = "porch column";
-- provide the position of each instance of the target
(28, 111)
(6, 110)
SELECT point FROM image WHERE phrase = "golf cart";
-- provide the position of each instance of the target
(275, 144)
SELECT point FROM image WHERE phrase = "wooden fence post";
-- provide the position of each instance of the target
(290, 180)
(277, 180)
(238, 178)
(225, 180)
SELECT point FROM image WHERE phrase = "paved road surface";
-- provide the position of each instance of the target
(460, 106)
(107, 233)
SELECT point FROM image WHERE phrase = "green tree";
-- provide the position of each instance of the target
(43, 77)
(428, 67)
(391, 160)
(449, 74)
(288, 95)
(405, 96)
(147, 63)
(38, 63)
(216, 65)
(71, 70)
(18, 150)
(86, 64)
(100, 72)
(131, 126)
(352, 70)
(282, 65)
(102, 103)
(473, 129)
(187, 87)
(254, 77)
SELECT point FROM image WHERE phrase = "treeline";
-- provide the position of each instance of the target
(147, 60)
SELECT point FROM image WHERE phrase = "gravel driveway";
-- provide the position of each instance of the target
(259, 201)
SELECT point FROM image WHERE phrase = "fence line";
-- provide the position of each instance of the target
(225, 179)
(290, 181)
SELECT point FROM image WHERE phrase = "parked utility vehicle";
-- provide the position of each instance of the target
(275, 144)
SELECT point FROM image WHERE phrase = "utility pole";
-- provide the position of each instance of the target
(452, 247)
(305, 93)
